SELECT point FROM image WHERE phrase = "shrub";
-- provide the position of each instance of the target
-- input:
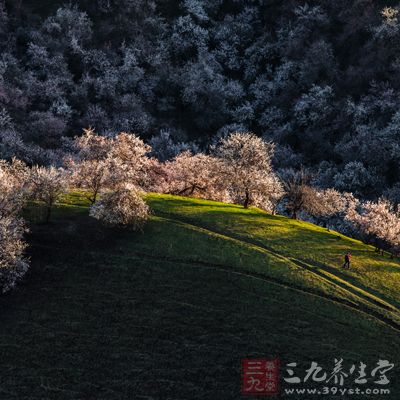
(123, 207)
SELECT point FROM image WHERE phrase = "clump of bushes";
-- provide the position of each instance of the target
(123, 207)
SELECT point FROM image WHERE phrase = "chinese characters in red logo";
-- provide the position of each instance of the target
(260, 377)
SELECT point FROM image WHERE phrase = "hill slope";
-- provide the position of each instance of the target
(170, 312)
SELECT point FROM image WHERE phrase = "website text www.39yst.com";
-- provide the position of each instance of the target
(336, 391)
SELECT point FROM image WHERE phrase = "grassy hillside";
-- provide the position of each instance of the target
(170, 312)
(309, 246)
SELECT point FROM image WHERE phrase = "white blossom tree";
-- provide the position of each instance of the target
(247, 167)
(108, 163)
(90, 168)
(123, 207)
(128, 160)
(13, 264)
(14, 188)
(328, 205)
(196, 175)
(378, 221)
(47, 185)
(268, 194)
(13, 192)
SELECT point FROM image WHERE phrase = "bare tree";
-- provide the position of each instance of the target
(299, 194)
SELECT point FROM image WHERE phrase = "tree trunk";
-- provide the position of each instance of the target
(294, 214)
(48, 214)
(94, 198)
(247, 199)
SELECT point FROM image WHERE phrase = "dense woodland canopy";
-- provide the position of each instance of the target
(319, 78)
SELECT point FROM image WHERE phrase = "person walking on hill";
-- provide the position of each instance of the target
(347, 259)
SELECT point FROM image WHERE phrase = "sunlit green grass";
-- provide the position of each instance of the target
(296, 239)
